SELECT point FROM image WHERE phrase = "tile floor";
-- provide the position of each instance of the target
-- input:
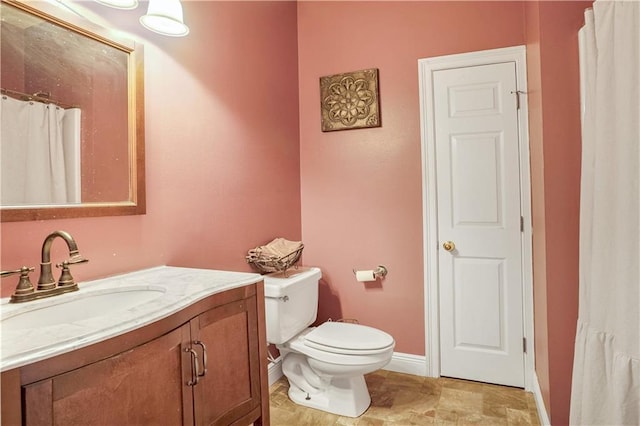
(403, 399)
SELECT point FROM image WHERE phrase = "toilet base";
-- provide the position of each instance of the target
(345, 396)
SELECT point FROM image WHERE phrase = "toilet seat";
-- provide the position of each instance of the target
(300, 345)
(348, 339)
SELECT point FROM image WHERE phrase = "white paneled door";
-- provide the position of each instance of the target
(479, 223)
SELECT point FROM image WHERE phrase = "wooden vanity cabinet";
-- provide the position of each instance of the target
(143, 386)
(229, 390)
(207, 366)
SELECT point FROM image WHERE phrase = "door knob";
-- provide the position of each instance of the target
(449, 245)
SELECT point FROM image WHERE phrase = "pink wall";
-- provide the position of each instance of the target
(374, 175)
(103, 161)
(221, 143)
(223, 169)
(534, 82)
(361, 189)
(12, 69)
(554, 79)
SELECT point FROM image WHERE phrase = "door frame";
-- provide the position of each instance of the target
(426, 68)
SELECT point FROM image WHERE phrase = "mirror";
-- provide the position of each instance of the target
(72, 116)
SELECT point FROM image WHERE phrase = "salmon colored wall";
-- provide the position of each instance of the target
(361, 189)
(12, 69)
(534, 82)
(102, 160)
(221, 143)
(554, 102)
(223, 169)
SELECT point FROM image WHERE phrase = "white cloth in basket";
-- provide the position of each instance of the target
(276, 249)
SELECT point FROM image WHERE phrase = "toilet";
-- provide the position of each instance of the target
(325, 365)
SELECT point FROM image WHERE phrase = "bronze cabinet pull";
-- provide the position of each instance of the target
(204, 357)
(195, 374)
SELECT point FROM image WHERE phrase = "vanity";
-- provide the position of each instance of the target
(161, 346)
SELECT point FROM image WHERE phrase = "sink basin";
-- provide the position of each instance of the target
(79, 306)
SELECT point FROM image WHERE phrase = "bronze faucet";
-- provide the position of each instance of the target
(47, 285)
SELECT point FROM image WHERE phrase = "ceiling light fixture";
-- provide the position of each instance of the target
(165, 17)
(120, 4)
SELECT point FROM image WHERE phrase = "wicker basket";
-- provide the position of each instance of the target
(268, 264)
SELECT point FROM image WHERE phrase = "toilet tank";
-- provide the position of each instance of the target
(291, 302)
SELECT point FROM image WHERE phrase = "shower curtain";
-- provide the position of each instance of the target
(71, 138)
(606, 372)
(40, 163)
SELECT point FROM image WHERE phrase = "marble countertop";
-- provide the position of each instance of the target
(177, 289)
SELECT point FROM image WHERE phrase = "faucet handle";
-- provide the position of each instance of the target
(24, 289)
(66, 280)
(23, 270)
(15, 271)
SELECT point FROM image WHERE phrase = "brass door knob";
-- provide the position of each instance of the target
(449, 245)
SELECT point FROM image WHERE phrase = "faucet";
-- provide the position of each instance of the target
(46, 281)
(47, 285)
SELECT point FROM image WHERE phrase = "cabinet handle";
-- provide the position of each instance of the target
(204, 357)
(195, 374)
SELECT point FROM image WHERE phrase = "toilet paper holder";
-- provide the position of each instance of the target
(380, 272)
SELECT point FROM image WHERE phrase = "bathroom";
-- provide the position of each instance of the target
(235, 156)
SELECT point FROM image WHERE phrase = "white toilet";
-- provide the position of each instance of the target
(325, 365)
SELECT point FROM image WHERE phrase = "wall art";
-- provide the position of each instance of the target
(350, 100)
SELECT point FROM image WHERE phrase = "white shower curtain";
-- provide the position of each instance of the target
(606, 372)
(71, 138)
(38, 164)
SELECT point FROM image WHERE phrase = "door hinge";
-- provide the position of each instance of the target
(521, 223)
(524, 345)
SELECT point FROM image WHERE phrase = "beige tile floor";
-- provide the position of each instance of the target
(403, 399)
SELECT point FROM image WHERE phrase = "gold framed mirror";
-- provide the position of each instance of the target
(85, 87)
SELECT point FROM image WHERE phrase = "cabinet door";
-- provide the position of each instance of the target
(230, 389)
(144, 386)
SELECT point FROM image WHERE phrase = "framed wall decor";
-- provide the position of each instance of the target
(350, 100)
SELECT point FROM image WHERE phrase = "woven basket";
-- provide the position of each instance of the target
(268, 264)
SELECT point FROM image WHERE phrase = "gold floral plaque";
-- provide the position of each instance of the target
(350, 100)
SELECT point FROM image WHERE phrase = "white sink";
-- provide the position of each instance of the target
(79, 306)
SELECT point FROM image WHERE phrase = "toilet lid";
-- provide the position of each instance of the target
(347, 338)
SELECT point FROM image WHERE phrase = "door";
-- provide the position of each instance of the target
(479, 223)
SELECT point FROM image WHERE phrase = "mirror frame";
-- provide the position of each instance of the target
(136, 134)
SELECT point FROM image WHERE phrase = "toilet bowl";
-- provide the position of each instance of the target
(331, 377)
(325, 365)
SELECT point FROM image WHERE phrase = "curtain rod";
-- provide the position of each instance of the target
(37, 97)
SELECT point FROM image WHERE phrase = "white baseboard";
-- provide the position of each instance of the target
(537, 394)
(407, 363)
(275, 370)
